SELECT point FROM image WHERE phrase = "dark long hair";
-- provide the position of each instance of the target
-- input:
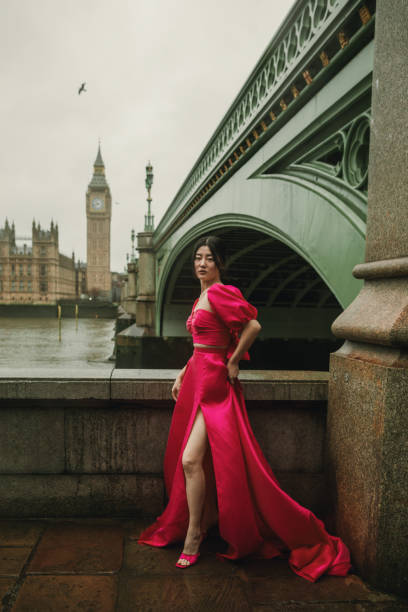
(218, 251)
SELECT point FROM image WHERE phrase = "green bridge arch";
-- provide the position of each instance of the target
(318, 222)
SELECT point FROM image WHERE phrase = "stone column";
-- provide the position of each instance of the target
(132, 268)
(368, 391)
(146, 299)
(130, 302)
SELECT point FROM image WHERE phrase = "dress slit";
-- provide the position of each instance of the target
(211, 496)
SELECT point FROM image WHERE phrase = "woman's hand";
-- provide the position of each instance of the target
(176, 387)
(177, 383)
(233, 371)
(248, 335)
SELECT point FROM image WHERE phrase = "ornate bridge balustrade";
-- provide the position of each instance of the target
(317, 38)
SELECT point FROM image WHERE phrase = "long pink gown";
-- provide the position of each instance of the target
(255, 516)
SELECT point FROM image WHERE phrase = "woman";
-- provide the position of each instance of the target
(214, 468)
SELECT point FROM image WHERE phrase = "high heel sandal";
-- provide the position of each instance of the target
(192, 559)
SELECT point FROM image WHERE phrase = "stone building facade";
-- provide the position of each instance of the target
(33, 270)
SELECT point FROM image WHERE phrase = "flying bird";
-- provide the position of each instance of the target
(82, 88)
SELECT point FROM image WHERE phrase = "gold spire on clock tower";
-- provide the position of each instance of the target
(98, 215)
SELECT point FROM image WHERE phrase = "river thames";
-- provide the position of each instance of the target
(34, 342)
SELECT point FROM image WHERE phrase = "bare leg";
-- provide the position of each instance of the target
(210, 510)
(192, 459)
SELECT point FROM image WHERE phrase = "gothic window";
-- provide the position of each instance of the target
(13, 269)
(43, 286)
(21, 286)
(29, 269)
(43, 251)
(29, 285)
(1, 269)
(43, 270)
(13, 285)
(21, 269)
(1, 286)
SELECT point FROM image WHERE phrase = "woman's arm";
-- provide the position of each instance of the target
(248, 335)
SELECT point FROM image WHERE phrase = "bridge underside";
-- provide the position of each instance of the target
(271, 276)
(294, 303)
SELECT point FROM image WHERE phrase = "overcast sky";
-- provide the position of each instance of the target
(160, 76)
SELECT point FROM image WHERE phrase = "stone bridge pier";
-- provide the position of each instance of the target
(368, 388)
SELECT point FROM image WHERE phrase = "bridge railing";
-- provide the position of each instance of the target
(307, 44)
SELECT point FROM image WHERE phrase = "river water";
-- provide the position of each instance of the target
(33, 343)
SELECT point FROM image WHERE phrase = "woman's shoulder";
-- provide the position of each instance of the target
(224, 289)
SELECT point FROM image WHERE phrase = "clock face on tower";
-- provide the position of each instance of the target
(97, 204)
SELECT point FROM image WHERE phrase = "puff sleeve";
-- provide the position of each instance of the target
(232, 309)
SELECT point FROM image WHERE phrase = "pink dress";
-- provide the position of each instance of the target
(255, 516)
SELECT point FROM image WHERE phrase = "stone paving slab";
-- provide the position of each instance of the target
(281, 585)
(6, 584)
(20, 533)
(12, 559)
(67, 594)
(201, 593)
(96, 565)
(69, 548)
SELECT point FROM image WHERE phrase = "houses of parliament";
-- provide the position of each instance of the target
(32, 270)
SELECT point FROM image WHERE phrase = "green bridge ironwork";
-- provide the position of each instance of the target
(284, 176)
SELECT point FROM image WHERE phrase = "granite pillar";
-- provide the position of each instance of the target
(368, 389)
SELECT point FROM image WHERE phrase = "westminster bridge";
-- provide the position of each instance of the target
(283, 180)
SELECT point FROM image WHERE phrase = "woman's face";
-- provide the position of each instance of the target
(204, 265)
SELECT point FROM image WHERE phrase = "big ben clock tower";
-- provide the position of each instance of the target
(98, 215)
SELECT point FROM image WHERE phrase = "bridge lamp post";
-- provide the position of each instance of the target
(149, 219)
(133, 236)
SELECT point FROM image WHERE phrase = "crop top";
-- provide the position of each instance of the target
(222, 326)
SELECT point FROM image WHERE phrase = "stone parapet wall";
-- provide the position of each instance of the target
(78, 444)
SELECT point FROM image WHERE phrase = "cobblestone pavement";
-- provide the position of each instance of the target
(94, 565)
